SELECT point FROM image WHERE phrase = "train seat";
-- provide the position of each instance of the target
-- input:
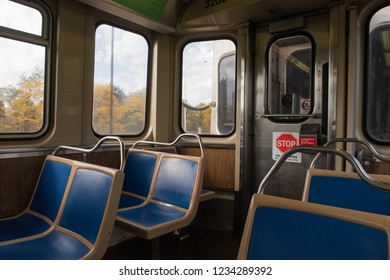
(285, 229)
(43, 208)
(346, 190)
(85, 219)
(174, 199)
(139, 169)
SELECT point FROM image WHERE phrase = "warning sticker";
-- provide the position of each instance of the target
(282, 142)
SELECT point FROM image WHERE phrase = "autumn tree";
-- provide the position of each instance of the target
(125, 114)
(2, 109)
(133, 113)
(105, 115)
(2, 115)
(22, 106)
(206, 119)
(198, 120)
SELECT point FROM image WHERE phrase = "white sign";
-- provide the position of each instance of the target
(282, 142)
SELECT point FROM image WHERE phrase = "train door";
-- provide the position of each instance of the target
(291, 83)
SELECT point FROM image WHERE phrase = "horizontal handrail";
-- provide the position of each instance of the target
(173, 143)
(198, 109)
(287, 116)
(326, 150)
(352, 140)
(94, 148)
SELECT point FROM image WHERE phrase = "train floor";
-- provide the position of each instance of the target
(193, 243)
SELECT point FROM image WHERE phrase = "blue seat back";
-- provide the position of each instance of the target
(139, 170)
(346, 192)
(51, 188)
(176, 181)
(86, 203)
(285, 229)
(286, 234)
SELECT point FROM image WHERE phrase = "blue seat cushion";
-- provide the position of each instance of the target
(292, 235)
(151, 214)
(22, 226)
(54, 246)
(129, 201)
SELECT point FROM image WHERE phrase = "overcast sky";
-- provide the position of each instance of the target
(130, 58)
(196, 72)
(17, 58)
(200, 64)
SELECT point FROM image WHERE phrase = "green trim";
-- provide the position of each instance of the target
(151, 8)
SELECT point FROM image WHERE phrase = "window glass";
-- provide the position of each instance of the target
(290, 76)
(378, 77)
(23, 64)
(226, 93)
(209, 87)
(120, 81)
(28, 19)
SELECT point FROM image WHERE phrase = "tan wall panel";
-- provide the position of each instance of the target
(108, 159)
(18, 177)
(379, 168)
(218, 167)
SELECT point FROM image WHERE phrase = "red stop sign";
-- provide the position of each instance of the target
(285, 142)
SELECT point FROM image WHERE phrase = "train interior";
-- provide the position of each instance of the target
(194, 129)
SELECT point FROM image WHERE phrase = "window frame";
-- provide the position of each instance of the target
(289, 119)
(44, 40)
(180, 103)
(147, 86)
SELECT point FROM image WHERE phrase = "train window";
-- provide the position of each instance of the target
(120, 82)
(209, 87)
(290, 77)
(24, 52)
(377, 114)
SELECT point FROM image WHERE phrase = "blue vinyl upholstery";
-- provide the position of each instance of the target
(286, 234)
(351, 193)
(86, 203)
(285, 229)
(22, 226)
(175, 181)
(51, 188)
(152, 214)
(53, 246)
(46, 201)
(140, 169)
(129, 201)
(204, 195)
